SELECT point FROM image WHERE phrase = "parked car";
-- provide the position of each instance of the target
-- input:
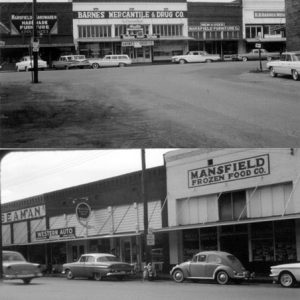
(26, 64)
(196, 56)
(120, 60)
(98, 266)
(288, 64)
(71, 61)
(254, 55)
(215, 265)
(16, 267)
(287, 274)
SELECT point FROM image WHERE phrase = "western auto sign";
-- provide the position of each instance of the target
(23, 24)
(54, 234)
(23, 214)
(230, 171)
(130, 14)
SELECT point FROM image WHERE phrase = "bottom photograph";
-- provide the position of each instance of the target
(227, 216)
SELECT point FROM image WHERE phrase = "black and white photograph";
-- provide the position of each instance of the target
(149, 149)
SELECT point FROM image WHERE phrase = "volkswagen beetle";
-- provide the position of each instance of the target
(215, 265)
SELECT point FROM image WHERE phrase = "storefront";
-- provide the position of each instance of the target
(245, 202)
(292, 9)
(145, 30)
(103, 216)
(54, 28)
(264, 22)
(215, 27)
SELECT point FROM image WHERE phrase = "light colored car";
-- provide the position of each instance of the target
(196, 57)
(115, 60)
(254, 55)
(288, 64)
(26, 64)
(215, 265)
(71, 62)
(16, 267)
(98, 266)
(287, 274)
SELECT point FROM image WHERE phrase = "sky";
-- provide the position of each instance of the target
(29, 173)
(92, 1)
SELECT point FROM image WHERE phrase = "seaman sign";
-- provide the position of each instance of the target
(24, 214)
(229, 171)
(50, 234)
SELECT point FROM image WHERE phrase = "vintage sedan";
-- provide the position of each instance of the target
(71, 61)
(287, 274)
(26, 64)
(215, 265)
(196, 57)
(288, 64)
(115, 60)
(98, 266)
(16, 267)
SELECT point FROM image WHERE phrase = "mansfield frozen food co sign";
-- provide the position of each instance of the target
(229, 171)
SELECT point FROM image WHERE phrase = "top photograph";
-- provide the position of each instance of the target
(86, 74)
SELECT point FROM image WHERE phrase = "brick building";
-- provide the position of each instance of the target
(292, 8)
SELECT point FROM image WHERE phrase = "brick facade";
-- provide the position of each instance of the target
(292, 24)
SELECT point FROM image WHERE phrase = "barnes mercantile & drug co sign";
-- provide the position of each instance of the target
(229, 171)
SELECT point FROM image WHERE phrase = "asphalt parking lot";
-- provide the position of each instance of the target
(226, 104)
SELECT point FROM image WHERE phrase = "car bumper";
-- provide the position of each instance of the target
(21, 276)
(244, 275)
(119, 273)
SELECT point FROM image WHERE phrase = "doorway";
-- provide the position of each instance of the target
(139, 54)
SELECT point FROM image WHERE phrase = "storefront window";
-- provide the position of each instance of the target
(232, 206)
(208, 238)
(190, 243)
(168, 30)
(94, 31)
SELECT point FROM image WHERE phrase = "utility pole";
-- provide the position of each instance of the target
(34, 44)
(145, 201)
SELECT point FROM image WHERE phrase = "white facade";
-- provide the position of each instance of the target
(197, 179)
(264, 12)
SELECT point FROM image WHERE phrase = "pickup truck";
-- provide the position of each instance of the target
(254, 55)
(71, 61)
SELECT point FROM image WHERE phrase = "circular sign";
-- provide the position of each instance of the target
(83, 210)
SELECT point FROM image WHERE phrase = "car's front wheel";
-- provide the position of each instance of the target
(69, 274)
(273, 73)
(208, 61)
(178, 276)
(27, 280)
(286, 279)
(121, 65)
(97, 276)
(295, 75)
(95, 66)
(222, 277)
(244, 58)
(182, 61)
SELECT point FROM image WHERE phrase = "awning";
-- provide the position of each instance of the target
(80, 238)
(224, 223)
(117, 39)
(41, 45)
(266, 40)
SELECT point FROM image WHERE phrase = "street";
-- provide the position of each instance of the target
(78, 289)
(225, 104)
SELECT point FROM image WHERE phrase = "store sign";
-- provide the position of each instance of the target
(24, 214)
(83, 211)
(150, 239)
(229, 171)
(130, 14)
(137, 44)
(214, 27)
(269, 14)
(23, 24)
(50, 234)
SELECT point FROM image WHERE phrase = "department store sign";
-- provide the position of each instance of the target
(23, 24)
(269, 14)
(55, 234)
(230, 171)
(214, 27)
(24, 214)
(130, 14)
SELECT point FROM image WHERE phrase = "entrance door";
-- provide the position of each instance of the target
(236, 244)
(139, 55)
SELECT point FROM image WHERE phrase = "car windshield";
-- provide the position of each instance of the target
(13, 257)
(107, 258)
(297, 57)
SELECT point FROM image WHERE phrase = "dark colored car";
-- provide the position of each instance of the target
(16, 267)
(98, 266)
(215, 265)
